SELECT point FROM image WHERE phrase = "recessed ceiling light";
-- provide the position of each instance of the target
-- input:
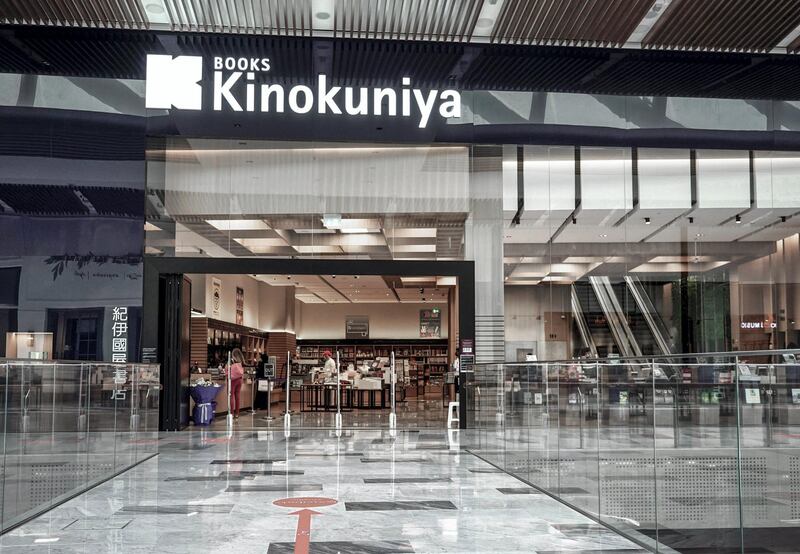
(738, 219)
(155, 8)
(603, 236)
(322, 15)
(647, 221)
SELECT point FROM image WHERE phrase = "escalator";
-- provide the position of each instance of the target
(618, 318)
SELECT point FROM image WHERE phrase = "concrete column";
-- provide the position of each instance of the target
(484, 245)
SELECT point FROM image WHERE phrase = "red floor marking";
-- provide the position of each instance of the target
(302, 538)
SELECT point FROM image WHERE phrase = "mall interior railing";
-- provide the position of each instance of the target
(676, 452)
(68, 426)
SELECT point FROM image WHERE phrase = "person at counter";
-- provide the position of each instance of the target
(329, 369)
(236, 371)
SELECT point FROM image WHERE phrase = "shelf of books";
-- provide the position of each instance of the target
(421, 364)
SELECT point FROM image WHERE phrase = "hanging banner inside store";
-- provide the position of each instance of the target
(216, 297)
(239, 306)
(356, 327)
(430, 323)
(238, 86)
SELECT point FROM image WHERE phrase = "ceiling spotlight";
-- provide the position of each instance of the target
(289, 277)
(691, 220)
(333, 276)
(783, 219)
(355, 276)
(698, 235)
(647, 221)
(574, 220)
(738, 219)
(603, 236)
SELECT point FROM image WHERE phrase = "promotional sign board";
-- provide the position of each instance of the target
(430, 323)
(356, 327)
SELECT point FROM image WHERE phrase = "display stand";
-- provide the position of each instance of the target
(287, 416)
(392, 381)
(229, 417)
(267, 383)
(338, 394)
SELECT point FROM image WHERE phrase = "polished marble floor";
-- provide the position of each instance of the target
(417, 413)
(416, 491)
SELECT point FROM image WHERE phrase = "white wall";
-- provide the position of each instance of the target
(526, 309)
(386, 321)
(201, 297)
(276, 308)
(265, 307)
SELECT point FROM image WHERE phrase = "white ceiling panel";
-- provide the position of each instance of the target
(723, 180)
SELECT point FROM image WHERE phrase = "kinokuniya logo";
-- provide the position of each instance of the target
(176, 83)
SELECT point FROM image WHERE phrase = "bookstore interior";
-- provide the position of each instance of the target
(328, 339)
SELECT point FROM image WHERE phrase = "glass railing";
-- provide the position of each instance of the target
(679, 453)
(68, 426)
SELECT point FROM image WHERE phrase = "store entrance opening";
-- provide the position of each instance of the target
(315, 338)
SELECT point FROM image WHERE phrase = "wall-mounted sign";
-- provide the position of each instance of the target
(356, 327)
(758, 325)
(119, 350)
(216, 297)
(430, 323)
(239, 306)
(119, 334)
(239, 85)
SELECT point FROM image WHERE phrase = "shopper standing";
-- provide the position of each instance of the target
(330, 366)
(236, 370)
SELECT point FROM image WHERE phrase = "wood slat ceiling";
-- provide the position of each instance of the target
(724, 25)
(569, 22)
(747, 25)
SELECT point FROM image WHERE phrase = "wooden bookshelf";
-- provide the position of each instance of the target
(429, 359)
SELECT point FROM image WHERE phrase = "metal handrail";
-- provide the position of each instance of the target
(580, 320)
(72, 362)
(649, 313)
(639, 359)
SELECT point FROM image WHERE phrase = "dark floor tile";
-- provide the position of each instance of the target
(249, 461)
(576, 526)
(409, 480)
(518, 490)
(177, 509)
(601, 551)
(96, 524)
(431, 437)
(569, 490)
(274, 488)
(403, 505)
(222, 477)
(337, 547)
(266, 472)
(321, 455)
(397, 461)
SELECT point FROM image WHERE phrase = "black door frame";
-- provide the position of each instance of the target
(156, 267)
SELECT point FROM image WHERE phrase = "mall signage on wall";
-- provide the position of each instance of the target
(177, 83)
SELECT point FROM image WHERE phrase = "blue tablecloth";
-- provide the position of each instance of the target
(204, 405)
